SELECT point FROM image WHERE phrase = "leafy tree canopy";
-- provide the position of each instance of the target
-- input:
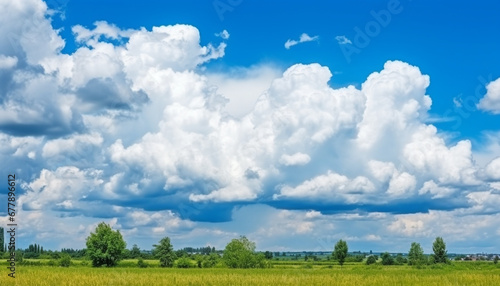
(105, 246)
(165, 252)
(340, 252)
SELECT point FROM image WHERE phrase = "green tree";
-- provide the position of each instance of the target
(495, 260)
(239, 253)
(141, 263)
(135, 252)
(340, 251)
(387, 259)
(105, 246)
(268, 255)
(416, 254)
(439, 248)
(165, 252)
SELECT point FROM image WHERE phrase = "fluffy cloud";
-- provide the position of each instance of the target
(64, 186)
(329, 187)
(303, 38)
(7, 62)
(129, 115)
(491, 100)
(295, 159)
(428, 154)
(435, 190)
(492, 170)
(102, 28)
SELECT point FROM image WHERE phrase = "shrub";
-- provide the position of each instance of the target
(400, 260)
(371, 260)
(387, 259)
(184, 262)
(141, 263)
(239, 253)
(85, 263)
(65, 260)
(210, 260)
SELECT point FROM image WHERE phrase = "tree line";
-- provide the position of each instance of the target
(106, 247)
(415, 254)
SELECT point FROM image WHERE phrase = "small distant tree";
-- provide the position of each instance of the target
(387, 259)
(165, 252)
(340, 251)
(440, 253)
(416, 254)
(135, 252)
(268, 255)
(141, 263)
(105, 246)
(239, 253)
(495, 260)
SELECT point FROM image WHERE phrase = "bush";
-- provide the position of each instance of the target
(29, 255)
(210, 260)
(184, 262)
(307, 266)
(387, 259)
(141, 263)
(19, 256)
(354, 258)
(239, 253)
(65, 260)
(400, 260)
(85, 263)
(371, 260)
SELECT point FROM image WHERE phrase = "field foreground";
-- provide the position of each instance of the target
(349, 275)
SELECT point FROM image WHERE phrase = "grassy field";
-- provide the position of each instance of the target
(353, 274)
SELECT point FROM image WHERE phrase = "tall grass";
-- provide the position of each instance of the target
(455, 274)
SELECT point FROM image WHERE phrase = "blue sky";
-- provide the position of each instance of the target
(296, 125)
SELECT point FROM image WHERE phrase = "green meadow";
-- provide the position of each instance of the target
(38, 272)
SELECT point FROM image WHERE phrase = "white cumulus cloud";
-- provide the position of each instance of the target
(491, 100)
